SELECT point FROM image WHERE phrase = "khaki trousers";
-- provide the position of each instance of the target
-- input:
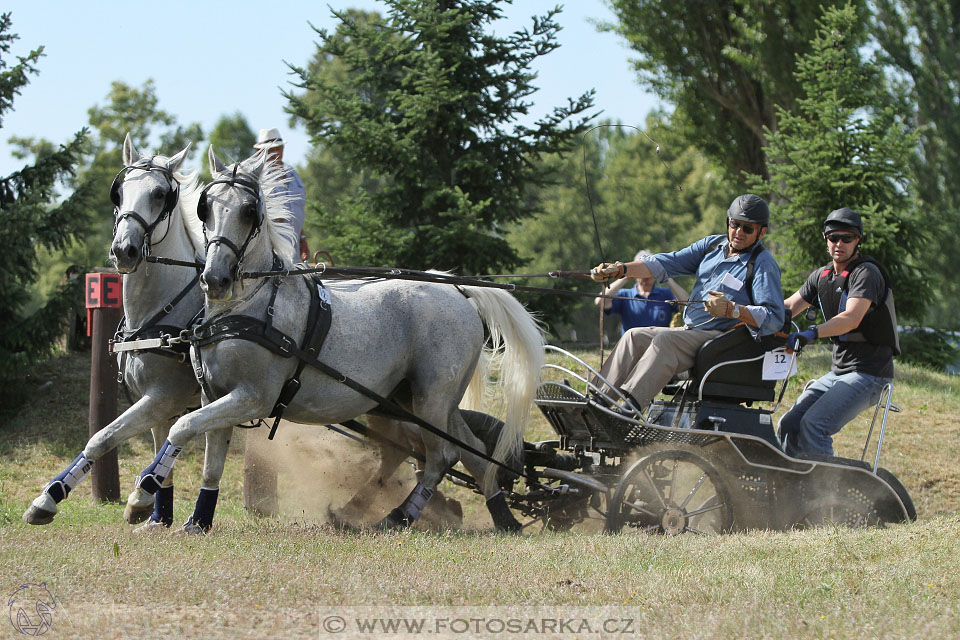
(646, 358)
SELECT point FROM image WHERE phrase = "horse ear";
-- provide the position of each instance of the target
(130, 153)
(174, 163)
(215, 165)
(255, 163)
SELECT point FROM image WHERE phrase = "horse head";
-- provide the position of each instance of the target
(241, 201)
(144, 193)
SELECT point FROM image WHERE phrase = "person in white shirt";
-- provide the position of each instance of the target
(270, 140)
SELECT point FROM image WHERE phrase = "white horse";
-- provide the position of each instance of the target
(415, 343)
(155, 211)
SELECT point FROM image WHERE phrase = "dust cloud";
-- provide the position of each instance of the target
(318, 472)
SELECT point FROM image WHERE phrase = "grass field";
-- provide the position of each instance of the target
(257, 578)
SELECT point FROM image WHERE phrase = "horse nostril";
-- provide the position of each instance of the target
(224, 282)
(132, 252)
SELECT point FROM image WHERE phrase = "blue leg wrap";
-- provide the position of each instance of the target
(206, 506)
(163, 507)
(152, 477)
(60, 486)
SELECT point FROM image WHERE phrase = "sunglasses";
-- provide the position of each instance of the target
(845, 238)
(746, 228)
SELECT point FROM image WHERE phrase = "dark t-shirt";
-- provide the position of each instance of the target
(872, 359)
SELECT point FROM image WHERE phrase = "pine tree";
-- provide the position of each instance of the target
(31, 217)
(847, 146)
(424, 105)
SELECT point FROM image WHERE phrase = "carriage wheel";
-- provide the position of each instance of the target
(671, 492)
(838, 510)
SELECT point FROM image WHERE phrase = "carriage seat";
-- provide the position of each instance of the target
(741, 382)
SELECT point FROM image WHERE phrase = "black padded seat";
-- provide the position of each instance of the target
(742, 382)
(737, 382)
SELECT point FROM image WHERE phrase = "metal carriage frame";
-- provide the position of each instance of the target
(707, 465)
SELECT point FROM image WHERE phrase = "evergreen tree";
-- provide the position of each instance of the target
(725, 64)
(920, 39)
(425, 103)
(31, 217)
(848, 146)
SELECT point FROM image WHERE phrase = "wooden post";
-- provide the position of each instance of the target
(104, 310)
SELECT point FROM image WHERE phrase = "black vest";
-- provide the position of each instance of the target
(879, 325)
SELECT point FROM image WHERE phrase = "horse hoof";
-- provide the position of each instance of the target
(135, 514)
(192, 528)
(394, 520)
(338, 520)
(41, 511)
(150, 527)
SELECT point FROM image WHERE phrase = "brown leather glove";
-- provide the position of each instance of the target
(607, 271)
(718, 305)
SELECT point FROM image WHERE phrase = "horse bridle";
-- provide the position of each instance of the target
(173, 196)
(250, 186)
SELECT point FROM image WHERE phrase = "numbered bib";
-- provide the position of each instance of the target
(778, 364)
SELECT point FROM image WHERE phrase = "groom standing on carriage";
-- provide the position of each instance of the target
(270, 141)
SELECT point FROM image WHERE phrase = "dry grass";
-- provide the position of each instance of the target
(254, 578)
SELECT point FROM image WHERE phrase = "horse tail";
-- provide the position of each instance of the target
(515, 351)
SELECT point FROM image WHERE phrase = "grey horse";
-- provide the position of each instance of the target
(418, 344)
(155, 211)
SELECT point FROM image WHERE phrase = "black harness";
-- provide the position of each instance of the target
(173, 196)
(151, 328)
(244, 327)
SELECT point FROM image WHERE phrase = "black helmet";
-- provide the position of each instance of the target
(749, 208)
(843, 220)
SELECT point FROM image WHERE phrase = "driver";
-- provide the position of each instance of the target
(737, 280)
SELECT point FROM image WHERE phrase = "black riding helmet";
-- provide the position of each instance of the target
(749, 208)
(844, 219)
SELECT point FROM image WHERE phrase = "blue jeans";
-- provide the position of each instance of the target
(823, 409)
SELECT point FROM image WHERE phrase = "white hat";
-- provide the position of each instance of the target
(268, 139)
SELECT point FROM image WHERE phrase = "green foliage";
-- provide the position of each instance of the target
(422, 106)
(919, 40)
(232, 138)
(133, 109)
(725, 64)
(32, 219)
(847, 146)
(928, 348)
(642, 199)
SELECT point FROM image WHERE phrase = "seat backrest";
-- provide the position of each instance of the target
(735, 382)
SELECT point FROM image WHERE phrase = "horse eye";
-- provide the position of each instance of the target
(248, 210)
(158, 194)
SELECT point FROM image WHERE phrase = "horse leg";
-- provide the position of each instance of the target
(393, 450)
(159, 508)
(138, 418)
(214, 458)
(236, 407)
(440, 456)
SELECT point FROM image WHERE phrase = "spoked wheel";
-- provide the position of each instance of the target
(838, 510)
(671, 492)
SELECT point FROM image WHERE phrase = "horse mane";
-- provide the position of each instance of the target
(277, 219)
(190, 188)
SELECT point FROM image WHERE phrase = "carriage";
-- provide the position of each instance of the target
(705, 461)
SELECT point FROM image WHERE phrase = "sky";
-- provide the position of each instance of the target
(209, 59)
